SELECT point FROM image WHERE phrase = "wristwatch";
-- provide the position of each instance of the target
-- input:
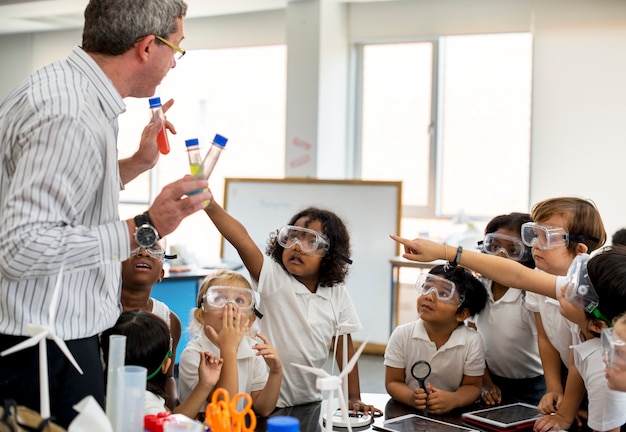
(146, 234)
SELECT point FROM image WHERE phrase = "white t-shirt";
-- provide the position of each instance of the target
(161, 310)
(300, 324)
(607, 408)
(252, 369)
(509, 331)
(557, 327)
(462, 354)
(153, 404)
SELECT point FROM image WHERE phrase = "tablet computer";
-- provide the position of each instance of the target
(512, 416)
(414, 422)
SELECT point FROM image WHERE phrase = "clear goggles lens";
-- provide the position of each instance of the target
(511, 247)
(154, 252)
(544, 236)
(613, 349)
(579, 290)
(217, 297)
(443, 288)
(310, 242)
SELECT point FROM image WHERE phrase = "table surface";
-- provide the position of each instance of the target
(309, 415)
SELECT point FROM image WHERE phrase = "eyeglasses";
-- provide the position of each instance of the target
(579, 290)
(310, 241)
(512, 247)
(547, 237)
(179, 51)
(613, 349)
(443, 288)
(219, 296)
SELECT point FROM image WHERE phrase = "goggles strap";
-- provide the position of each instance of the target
(342, 257)
(160, 368)
(596, 313)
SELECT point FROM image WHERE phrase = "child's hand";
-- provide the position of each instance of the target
(551, 422)
(439, 401)
(550, 402)
(358, 405)
(234, 327)
(269, 353)
(209, 370)
(419, 398)
(491, 394)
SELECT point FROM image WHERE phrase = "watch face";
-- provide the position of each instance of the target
(146, 236)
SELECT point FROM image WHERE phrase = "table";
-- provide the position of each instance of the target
(396, 264)
(309, 414)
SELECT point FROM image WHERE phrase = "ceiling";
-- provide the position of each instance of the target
(22, 16)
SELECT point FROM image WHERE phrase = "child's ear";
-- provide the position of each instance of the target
(165, 366)
(596, 325)
(462, 315)
(581, 248)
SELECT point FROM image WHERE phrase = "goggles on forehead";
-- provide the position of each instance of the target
(550, 237)
(613, 349)
(443, 288)
(310, 241)
(512, 247)
(579, 290)
(218, 296)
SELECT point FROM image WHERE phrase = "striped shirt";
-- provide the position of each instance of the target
(59, 194)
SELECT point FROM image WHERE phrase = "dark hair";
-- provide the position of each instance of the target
(112, 27)
(513, 222)
(607, 273)
(333, 269)
(581, 216)
(467, 285)
(147, 344)
(619, 237)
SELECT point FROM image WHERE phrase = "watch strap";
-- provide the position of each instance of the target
(143, 219)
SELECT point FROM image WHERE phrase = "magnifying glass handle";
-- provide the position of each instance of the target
(422, 383)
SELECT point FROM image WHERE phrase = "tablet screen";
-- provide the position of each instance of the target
(414, 422)
(505, 416)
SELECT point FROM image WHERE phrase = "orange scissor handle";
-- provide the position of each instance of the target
(238, 418)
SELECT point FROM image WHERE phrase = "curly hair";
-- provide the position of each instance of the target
(333, 270)
(147, 344)
(467, 285)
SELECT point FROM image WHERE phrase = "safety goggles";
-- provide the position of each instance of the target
(613, 349)
(579, 290)
(547, 237)
(219, 296)
(443, 288)
(310, 242)
(157, 251)
(512, 247)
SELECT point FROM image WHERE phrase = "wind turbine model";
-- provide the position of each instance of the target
(328, 384)
(39, 333)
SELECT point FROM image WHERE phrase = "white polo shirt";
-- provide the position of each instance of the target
(301, 325)
(462, 354)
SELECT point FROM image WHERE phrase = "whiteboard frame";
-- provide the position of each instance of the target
(371, 211)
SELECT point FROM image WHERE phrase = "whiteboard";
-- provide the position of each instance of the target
(370, 210)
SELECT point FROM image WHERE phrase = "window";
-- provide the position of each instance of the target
(238, 93)
(450, 117)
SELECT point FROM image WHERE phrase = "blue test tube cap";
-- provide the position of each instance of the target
(192, 142)
(283, 424)
(155, 102)
(220, 140)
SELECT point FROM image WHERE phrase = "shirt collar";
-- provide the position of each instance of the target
(110, 99)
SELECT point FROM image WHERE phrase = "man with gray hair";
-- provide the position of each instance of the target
(59, 194)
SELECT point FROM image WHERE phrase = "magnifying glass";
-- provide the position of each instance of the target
(420, 371)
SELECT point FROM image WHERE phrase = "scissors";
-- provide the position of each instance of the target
(222, 414)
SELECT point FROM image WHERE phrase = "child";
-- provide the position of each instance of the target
(140, 272)
(226, 311)
(303, 297)
(614, 353)
(514, 372)
(148, 345)
(455, 352)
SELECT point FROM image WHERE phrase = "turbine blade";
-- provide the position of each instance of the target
(318, 372)
(61, 344)
(24, 344)
(353, 360)
(345, 414)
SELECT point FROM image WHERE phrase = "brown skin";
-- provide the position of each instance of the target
(139, 274)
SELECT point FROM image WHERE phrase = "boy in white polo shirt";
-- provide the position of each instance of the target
(455, 352)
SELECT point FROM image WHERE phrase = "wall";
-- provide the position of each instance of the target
(579, 74)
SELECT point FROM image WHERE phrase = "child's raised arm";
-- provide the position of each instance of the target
(507, 272)
(237, 235)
